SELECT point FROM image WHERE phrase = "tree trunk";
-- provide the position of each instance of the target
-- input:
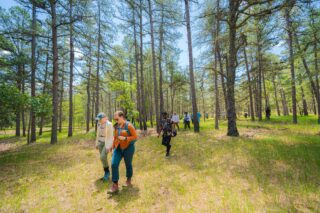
(23, 108)
(18, 110)
(216, 59)
(231, 72)
(92, 109)
(143, 107)
(275, 94)
(88, 91)
(249, 84)
(33, 73)
(259, 82)
(44, 88)
(55, 70)
(136, 57)
(304, 102)
(291, 59)
(191, 75)
(284, 103)
(97, 93)
(70, 126)
(161, 31)
(61, 97)
(154, 69)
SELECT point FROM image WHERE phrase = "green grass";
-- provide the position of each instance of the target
(273, 166)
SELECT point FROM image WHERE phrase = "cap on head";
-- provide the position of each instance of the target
(100, 116)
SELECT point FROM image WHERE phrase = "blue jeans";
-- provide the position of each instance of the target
(127, 154)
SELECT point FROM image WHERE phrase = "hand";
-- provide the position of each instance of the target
(97, 147)
(121, 138)
(158, 135)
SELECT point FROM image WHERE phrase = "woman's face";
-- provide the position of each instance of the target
(118, 119)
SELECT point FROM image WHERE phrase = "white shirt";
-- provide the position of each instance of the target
(105, 134)
(175, 118)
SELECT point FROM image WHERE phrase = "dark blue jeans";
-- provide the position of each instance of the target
(117, 156)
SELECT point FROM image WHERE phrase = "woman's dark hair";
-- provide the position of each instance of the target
(120, 113)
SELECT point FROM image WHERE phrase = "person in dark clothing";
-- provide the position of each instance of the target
(166, 130)
(268, 112)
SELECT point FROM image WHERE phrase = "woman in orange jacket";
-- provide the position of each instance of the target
(123, 147)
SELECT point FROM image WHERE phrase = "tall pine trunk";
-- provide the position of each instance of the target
(55, 71)
(231, 72)
(70, 126)
(154, 69)
(291, 60)
(97, 93)
(143, 106)
(191, 74)
(249, 84)
(33, 73)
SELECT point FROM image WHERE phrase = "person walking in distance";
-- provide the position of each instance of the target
(186, 120)
(175, 120)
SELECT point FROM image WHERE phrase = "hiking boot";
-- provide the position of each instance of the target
(128, 183)
(106, 176)
(114, 189)
(167, 155)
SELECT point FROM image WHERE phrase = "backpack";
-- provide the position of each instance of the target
(167, 127)
(127, 129)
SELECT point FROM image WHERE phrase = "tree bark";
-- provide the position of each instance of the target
(61, 97)
(231, 72)
(18, 110)
(304, 102)
(70, 126)
(154, 69)
(191, 75)
(44, 88)
(55, 80)
(88, 91)
(136, 57)
(275, 94)
(33, 73)
(97, 93)
(161, 31)
(143, 107)
(249, 84)
(23, 92)
(291, 60)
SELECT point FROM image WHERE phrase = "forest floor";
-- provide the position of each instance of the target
(272, 166)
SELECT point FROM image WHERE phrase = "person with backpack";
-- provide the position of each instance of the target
(167, 132)
(125, 137)
(104, 141)
(186, 120)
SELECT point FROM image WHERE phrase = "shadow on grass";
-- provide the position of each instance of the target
(102, 186)
(126, 195)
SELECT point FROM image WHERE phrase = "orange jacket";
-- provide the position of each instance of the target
(123, 132)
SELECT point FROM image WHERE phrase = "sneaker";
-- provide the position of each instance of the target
(128, 183)
(106, 176)
(114, 189)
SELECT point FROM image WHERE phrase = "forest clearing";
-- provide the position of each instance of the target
(159, 106)
(273, 167)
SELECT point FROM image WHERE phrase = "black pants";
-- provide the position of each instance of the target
(166, 142)
(187, 124)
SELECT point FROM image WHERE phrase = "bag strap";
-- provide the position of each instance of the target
(126, 128)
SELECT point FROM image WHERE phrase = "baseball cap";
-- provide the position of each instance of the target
(100, 116)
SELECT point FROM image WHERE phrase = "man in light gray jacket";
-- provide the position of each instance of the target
(104, 141)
